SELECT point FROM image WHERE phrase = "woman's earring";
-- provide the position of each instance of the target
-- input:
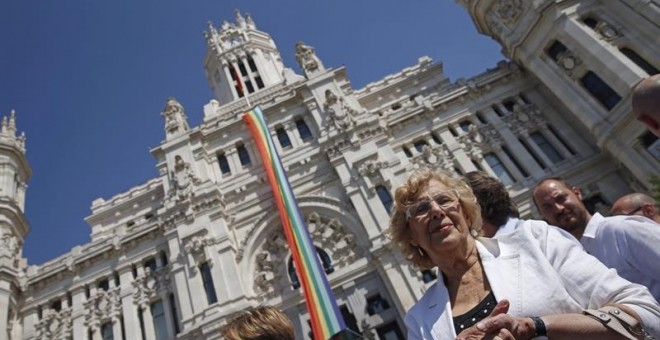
(474, 233)
(419, 250)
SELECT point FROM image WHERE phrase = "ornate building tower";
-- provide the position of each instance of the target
(593, 52)
(240, 59)
(14, 174)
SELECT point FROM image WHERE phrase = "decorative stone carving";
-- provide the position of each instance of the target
(145, 290)
(569, 62)
(371, 168)
(507, 10)
(472, 142)
(434, 157)
(182, 179)
(525, 118)
(307, 59)
(55, 325)
(607, 31)
(340, 114)
(176, 121)
(102, 307)
(271, 262)
(9, 245)
(197, 244)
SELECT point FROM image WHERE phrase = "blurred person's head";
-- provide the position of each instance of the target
(646, 103)
(637, 204)
(496, 204)
(260, 323)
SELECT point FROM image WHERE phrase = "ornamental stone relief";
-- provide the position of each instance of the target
(9, 245)
(472, 142)
(371, 168)
(307, 59)
(508, 11)
(569, 62)
(55, 325)
(606, 31)
(145, 287)
(524, 118)
(271, 262)
(340, 114)
(182, 178)
(433, 157)
(175, 117)
(102, 307)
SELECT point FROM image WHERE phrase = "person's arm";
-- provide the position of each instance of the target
(564, 326)
(558, 327)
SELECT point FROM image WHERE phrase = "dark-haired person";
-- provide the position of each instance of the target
(629, 244)
(498, 211)
(534, 281)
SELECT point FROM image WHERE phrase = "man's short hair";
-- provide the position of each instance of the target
(555, 179)
(496, 204)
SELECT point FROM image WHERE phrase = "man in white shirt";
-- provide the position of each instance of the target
(628, 244)
(637, 204)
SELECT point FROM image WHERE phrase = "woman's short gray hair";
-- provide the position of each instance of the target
(408, 194)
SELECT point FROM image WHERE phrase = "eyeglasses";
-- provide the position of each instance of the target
(423, 207)
(633, 212)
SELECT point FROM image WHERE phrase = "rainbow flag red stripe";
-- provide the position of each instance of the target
(326, 319)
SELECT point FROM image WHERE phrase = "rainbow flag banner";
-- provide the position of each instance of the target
(326, 320)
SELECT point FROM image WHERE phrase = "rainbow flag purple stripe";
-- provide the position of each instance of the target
(326, 320)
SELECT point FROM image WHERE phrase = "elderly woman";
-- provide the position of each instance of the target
(535, 281)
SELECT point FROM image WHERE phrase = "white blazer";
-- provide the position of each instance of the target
(541, 270)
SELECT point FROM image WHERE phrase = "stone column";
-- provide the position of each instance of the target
(5, 294)
(180, 283)
(525, 160)
(78, 313)
(230, 80)
(535, 148)
(30, 320)
(128, 304)
(167, 309)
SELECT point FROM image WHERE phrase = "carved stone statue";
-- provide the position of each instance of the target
(339, 113)
(8, 245)
(175, 117)
(307, 59)
(182, 179)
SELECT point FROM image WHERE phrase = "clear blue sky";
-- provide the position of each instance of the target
(88, 80)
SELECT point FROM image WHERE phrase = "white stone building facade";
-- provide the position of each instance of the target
(179, 255)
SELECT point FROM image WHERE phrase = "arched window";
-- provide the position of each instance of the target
(385, 197)
(243, 155)
(303, 129)
(224, 164)
(283, 137)
(326, 262)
